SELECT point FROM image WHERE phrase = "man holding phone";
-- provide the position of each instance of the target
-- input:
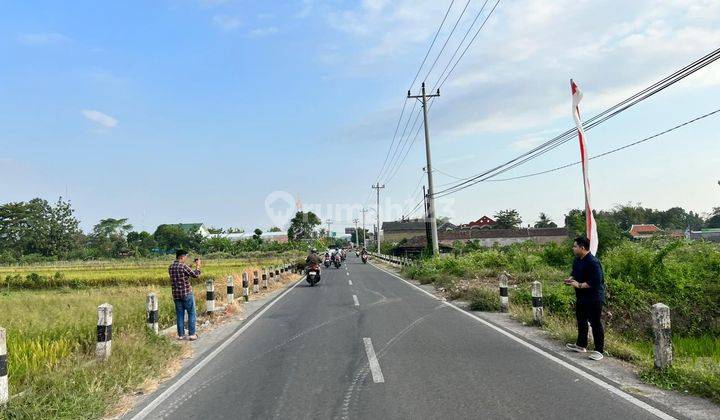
(182, 292)
(588, 280)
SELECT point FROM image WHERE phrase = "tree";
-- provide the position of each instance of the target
(141, 243)
(302, 226)
(275, 229)
(257, 233)
(545, 222)
(173, 237)
(362, 234)
(507, 219)
(215, 230)
(234, 230)
(108, 237)
(36, 227)
(714, 220)
(609, 233)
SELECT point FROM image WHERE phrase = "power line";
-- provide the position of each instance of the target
(452, 31)
(589, 124)
(432, 44)
(635, 143)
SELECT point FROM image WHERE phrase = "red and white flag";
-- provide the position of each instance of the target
(590, 226)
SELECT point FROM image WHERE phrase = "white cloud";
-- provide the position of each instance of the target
(37, 39)
(227, 22)
(100, 118)
(258, 32)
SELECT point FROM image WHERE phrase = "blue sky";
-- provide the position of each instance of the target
(192, 110)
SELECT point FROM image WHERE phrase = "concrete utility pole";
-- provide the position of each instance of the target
(431, 200)
(328, 229)
(357, 238)
(378, 187)
(364, 231)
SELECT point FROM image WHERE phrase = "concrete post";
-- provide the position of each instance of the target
(104, 332)
(272, 275)
(246, 292)
(256, 282)
(537, 302)
(151, 310)
(4, 390)
(277, 272)
(230, 289)
(210, 295)
(504, 301)
(662, 351)
(265, 279)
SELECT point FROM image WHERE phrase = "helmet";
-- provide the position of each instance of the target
(314, 250)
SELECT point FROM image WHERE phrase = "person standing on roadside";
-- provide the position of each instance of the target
(182, 293)
(588, 280)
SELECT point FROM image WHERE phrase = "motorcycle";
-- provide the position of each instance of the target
(312, 274)
(357, 253)
(327, 262)
(336, 262)
(343, 255)
(365, 258)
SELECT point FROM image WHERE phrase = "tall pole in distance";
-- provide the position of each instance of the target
(431, 200)
(328, 229)
(364, 231)
(357, 238)
(378, 187)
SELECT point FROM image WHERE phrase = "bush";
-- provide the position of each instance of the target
(484, 299)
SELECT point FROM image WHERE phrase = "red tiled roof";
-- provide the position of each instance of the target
(644, 229)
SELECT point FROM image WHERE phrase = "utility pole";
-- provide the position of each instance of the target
(431, 200)
(357, 238)
(364, 231)
(378, 187)
(328, 229)
(428, 235)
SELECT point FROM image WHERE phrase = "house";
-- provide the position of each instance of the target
(490, 237)
(398, 230)
(481, 223)
(644, 231)
(415, 246)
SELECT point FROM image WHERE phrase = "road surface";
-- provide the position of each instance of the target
(364, 344)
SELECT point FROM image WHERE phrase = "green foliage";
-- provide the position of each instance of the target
(507, 219)
(484, 299)
(173, 237)
(545, 222)
(302, 226)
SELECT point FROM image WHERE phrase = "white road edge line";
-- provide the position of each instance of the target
(356, 301)
(373, 361)
(611, 388)
(350, 282)
(171, 389)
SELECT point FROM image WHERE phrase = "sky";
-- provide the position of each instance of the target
(234, 112)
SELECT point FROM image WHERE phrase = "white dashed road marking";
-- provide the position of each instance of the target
(356, 301)
(373, 361)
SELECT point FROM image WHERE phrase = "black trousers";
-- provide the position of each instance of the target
(590, 312)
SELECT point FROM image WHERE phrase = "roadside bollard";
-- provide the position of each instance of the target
(265, 279)
(230, 289)
(277, 271)
(210, 296)
(662, 352)
(151, 309)
(104, 332)
(537, 302)
(504, 292)
(256, 282)
(246, 293)
(4, 392)
(272, 275)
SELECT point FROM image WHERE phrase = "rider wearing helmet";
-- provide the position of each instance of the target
(313, 258)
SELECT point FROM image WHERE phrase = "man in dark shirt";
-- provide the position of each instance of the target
(588, 280)
(183, 294)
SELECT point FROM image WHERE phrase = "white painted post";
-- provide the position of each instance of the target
(230, 289)
(246, 293)
(256, 282)
(104, 332)
(210, 295)
(4, 391)
(151, 309)
(504, 301)
(272, 275)
(662, 352)
(265, 279)
(537, 302)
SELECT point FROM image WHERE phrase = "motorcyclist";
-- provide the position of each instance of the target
(364, 251)
(313, 258)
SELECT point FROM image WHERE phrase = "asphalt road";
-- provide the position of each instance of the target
(364, 344)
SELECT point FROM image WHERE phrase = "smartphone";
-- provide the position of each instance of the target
(197, 259)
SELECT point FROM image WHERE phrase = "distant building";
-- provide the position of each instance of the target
(711, 234)
(280, 237)
(644, 231)
(490, 237)
(481, 223)
(408, 228)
